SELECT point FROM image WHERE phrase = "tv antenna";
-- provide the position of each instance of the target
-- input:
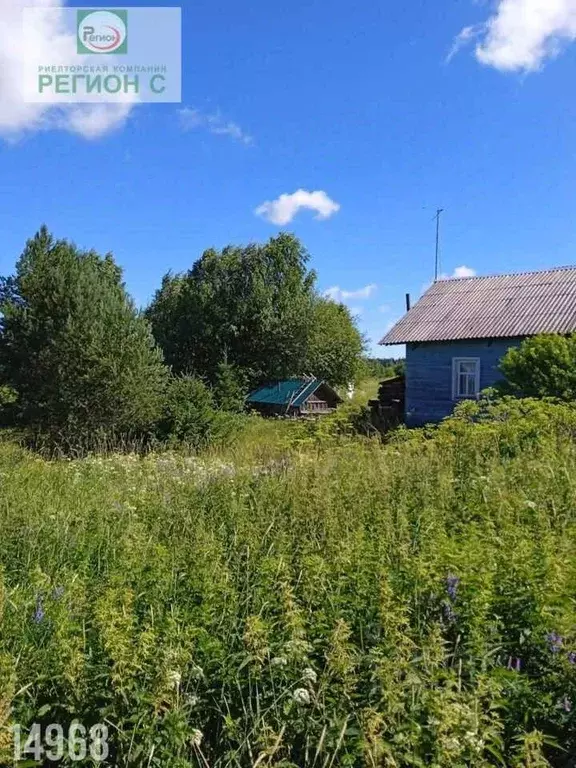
(439, 213)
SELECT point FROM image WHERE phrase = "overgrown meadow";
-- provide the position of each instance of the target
(318, 601)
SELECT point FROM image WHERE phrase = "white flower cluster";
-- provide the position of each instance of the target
(301, 696)
(174, 678)
(196, 738)
(309, 675)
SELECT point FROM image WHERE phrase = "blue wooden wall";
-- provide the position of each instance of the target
(429, 374)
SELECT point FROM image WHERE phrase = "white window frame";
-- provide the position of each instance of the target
(456, 361)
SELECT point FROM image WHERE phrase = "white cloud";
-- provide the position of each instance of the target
(48, 37)
(282, 210)
(463, 39)
(356, 311)
(464, 271)
(214, 123)
(92, 120)
(337, 294)
(522, 34)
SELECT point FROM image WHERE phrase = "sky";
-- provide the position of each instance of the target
(348, 124)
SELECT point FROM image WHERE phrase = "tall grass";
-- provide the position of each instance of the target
(348, 605)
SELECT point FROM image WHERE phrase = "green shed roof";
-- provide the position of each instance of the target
(288, 392)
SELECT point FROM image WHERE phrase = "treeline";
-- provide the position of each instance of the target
(83, 367)
(384, 368)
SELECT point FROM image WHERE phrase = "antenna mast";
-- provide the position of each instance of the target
(439, 212)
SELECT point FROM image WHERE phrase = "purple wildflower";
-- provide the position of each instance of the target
(39, 612)
(514, 664)
(572, 657)
(452, 583)
(58, 593)
(449, 615)
(555, 642)
(566, 704)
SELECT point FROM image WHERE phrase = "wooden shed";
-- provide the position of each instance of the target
(297, 397)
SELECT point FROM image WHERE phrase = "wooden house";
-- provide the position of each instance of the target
(460, 329)
(297, 397)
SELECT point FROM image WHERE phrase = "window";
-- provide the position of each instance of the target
(465, 377)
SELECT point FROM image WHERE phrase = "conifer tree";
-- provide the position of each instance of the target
(79, 355)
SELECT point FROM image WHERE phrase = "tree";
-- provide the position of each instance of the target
(165, 315)
(81, 359)
(542, 366)
(335, 345)
(248, 307)
(255, 309)
(228, 389)
(189, 415)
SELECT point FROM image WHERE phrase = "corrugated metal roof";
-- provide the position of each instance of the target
(306, 391)
(288, 392)
(500, 306)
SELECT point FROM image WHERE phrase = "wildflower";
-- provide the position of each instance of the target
(514, 664)
(572, 657)
(58, 593)
(196, 673)
(565, 704)
(452, 583)
(39, 612)
(555, 642)
(301, 696)
(279, 661)
(196, 737)
(174, 678)
(297, 647)
(449, 614)
(309, 675)
(452, 744)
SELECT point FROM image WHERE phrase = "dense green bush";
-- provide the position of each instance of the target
(507, 424)
(351, 421)
(542, 366)
(190, 416)
(354, 605)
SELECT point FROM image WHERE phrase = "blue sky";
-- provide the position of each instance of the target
(362, 104)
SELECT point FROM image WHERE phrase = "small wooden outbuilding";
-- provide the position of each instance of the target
(297, 397)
